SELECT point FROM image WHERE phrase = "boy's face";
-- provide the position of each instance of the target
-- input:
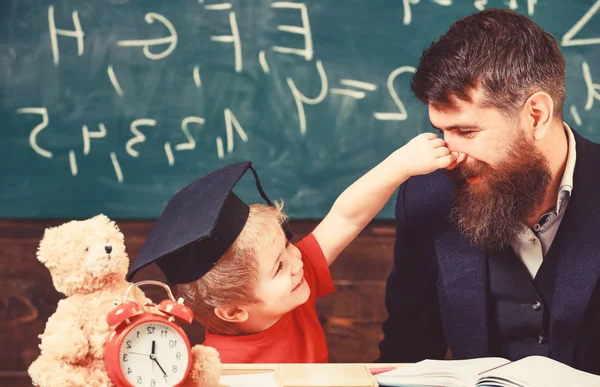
(281, 285)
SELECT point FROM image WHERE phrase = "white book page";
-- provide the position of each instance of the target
(538, 371)
(451, 373)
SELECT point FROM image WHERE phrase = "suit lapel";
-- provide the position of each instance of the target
(578, 267)
(463, 276)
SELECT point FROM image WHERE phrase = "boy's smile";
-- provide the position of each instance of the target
(299, 283)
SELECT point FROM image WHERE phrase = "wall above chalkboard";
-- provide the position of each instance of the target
(113, 105)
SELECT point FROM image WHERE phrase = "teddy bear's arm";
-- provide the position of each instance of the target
(97, 337)
(63, 337)
(206, 367)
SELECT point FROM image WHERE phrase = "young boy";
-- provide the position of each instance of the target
(251, 288)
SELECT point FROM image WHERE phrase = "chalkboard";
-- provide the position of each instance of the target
(113, 105)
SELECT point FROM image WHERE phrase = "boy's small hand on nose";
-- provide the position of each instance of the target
(461, 157)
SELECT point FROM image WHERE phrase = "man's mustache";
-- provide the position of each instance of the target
(465, 171)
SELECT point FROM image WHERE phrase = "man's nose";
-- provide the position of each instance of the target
(454, 145)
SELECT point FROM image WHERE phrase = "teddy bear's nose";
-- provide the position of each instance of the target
(108, 249)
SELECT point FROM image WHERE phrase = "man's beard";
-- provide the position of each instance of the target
(491, 212)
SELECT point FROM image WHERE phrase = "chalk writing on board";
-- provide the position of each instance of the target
(169, 153)
(512, 4)
(73, 162)
(231, 122)
(139, 136)
(171, 40)
(401, 114)
(531, 7)
(197, 79)
(359, 84)
(479, 4)
(301, 99)
(34, 133)
(54, 32)
(234, 132)
(443, 2)
(191, 143)
(408, 11)
(356, 94)
(568, 40)
(307, 52)
(88, 135)
(575, 115)
(262, 59)
(233, 38)
(218, 7)
(116, 166)
(114, 80)
(220, 151)
(593, 89)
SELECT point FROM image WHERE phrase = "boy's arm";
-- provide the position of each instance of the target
(360, 202)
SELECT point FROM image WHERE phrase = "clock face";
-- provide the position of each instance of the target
(153, 354)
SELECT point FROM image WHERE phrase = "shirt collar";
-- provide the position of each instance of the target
(566, 184)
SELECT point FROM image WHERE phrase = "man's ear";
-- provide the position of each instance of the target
(539, 110)
(231, 314)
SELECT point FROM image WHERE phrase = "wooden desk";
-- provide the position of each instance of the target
(329, 374)
(21, 379)
(237, 369)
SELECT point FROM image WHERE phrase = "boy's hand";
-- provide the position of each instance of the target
(461, 157)
(426, 153)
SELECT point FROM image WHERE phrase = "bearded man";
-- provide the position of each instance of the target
(500, 254)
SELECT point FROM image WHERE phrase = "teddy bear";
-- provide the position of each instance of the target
(88, 263)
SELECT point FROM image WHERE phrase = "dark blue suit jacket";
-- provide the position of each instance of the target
(436, 294)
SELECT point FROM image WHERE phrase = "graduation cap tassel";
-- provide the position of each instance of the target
(260, 189)
(288, 233)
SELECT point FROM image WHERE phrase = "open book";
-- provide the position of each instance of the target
(532, 371)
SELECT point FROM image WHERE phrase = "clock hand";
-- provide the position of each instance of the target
(159, 366)
(153, 357)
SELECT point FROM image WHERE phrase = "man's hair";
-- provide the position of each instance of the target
(232, 281)
(503, 52)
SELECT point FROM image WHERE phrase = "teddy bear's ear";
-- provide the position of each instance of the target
(101, 218)
(49, 235)
(39, 254)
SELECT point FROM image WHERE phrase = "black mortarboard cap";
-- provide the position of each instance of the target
(198, 225)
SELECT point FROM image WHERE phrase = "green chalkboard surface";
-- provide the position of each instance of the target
(113, 105)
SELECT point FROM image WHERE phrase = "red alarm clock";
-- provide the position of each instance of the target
(148, 349)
